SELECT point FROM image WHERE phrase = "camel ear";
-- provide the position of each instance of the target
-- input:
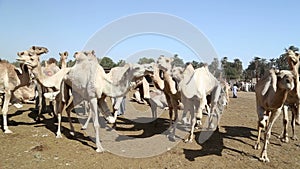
(66, 53)
(20, 53)
(93, 52)
(33, 47)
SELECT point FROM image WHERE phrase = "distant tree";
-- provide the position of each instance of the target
(17, 64)
(107, 63)
(281, 62)
(256, 68)
(232, 70)
(178, 62)
(145, 60)
(214, 66)
(70, 63)
(121, 63)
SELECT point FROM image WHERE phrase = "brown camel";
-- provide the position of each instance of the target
(271, 93)
(293, 100)
(11, 79)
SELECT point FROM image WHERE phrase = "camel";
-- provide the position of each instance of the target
(88, 81)
(63, 58)
(194, 87)
(11, 79)
(172, 94)
(293, 100)
(31, 58)
(25, 94)
(116, 102)
(271, 93)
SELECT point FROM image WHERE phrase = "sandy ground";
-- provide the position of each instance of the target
(34, 145)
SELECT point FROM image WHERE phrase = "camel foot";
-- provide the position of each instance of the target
(284, 139)
(72, 133)
(171, 137)
(188, 140)
(110, 119)
(58, 136)
(7, 131)
(100, 150)
(264, 157)
(294, 138)
(185, 121)
(256, 146)
(297, 121)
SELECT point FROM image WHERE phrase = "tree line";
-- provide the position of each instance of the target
(224, 68)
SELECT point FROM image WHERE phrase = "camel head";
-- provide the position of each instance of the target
(38, 50)
(293, 55)
(285, 80)
(84, 55)
(177, 73)
(29, 58)
(164, 63)
(64, 55)
(139, 71)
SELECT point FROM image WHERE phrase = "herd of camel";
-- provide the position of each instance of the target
(193, 90)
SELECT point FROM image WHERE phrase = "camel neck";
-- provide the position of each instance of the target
(280, 95)
(37, 72)
(63, 63)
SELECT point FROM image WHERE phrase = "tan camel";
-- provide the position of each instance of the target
(88, 81)
(63, 58)
(293, 100)
(271, 93)
(31, 58)
(25, 94)
(11, 79)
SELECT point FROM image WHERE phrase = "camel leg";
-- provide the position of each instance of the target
(61, 106)
(297, 114)
(94, 105)
(85, 126)
(284, 135)
(7, 97)
(293, 122)
(153, 107)
(102, 104)
(175, 105)
(191, 136)
(273, 117)
(168, 98)
(68, 110)
(184, 115)
(261, 123)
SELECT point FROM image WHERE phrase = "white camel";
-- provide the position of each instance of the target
(194, 87)
(271, 93)
(88, 81)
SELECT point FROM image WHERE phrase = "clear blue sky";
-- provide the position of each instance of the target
(237, 29)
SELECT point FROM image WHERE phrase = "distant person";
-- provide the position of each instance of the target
(234, 90)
